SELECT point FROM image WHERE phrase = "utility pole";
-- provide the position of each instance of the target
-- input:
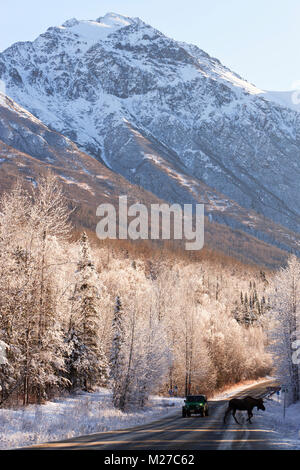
(284, 390)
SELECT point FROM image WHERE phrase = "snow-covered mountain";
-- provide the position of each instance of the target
(163, 114)
(29, 148)
(288, 99)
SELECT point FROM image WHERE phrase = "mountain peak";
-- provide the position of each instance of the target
(99, 29)
(114, 19)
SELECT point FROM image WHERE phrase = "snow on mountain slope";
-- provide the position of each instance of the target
(93, 31)
(28, 148)
(163, 114)
(289, 99)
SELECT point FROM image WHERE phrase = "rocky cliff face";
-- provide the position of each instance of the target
(165, 115)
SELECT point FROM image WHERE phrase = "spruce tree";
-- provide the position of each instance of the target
(117, 362)
(91, 364)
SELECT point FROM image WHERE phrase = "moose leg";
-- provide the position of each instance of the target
(250, 415)
(226, 413)
(233, 414)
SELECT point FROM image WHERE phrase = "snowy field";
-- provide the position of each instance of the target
(288, 428)
(83, 413)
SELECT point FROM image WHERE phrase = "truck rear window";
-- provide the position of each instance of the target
(196, 398)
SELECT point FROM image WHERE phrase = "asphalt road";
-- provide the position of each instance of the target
(177, 433)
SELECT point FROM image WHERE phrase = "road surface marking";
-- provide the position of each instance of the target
(204, 430)
(145, 442)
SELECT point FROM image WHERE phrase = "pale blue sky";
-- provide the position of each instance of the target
(259, 39)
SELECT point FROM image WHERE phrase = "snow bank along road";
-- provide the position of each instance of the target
(177, 433)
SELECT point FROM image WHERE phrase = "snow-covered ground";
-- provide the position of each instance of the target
(288, 428)
(83, 413)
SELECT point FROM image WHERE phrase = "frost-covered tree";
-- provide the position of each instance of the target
(117, 359)
(91, 364)
(28, 315)
(146, 356)
(140, 347)
(286, 316)
(153, 357)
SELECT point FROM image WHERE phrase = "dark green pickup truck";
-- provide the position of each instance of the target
(196, 404)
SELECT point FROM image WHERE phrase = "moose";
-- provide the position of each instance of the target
(244, 404)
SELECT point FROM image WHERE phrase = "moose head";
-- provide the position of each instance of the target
(260, 404)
